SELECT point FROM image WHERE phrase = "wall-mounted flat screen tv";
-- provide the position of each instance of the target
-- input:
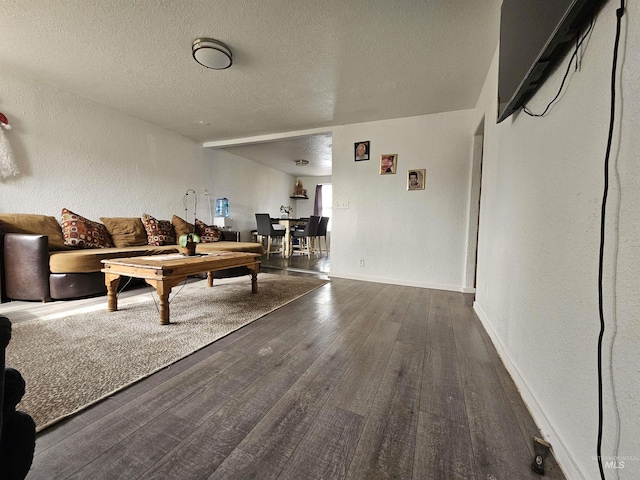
(534, 35)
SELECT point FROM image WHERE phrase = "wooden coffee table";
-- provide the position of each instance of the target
(163, 272)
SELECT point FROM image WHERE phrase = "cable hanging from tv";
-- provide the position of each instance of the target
(566, 74)
(603, 218)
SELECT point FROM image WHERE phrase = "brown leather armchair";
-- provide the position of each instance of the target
(26, 267)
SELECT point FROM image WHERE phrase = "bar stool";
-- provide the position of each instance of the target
(307, 235)
(265, 229)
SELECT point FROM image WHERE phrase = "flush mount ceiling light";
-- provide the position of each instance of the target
(211, 53)
(302, 163)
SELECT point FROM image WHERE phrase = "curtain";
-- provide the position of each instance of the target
(317, 205)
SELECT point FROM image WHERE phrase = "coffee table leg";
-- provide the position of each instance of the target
(163, 289)
(209, 279)
(254, 278)
(112, 281)
(164, 308)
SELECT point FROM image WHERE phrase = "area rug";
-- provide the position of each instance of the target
(72, 362)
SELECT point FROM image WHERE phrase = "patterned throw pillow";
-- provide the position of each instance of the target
(159, 232)
(81, 232)
(208, 233)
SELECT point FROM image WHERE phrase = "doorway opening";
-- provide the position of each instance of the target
(474, 210)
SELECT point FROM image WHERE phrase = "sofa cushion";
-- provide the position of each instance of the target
(82, 232)
(159, 232)
(34, 224)
(208, 233)
(90, 260)
(181, 226)
(125, 231)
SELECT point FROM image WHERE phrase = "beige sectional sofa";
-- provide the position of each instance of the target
(44, 259)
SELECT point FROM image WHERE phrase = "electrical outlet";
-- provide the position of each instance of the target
(344, 205)
(541, 449)
(206, 192)
(361, 263)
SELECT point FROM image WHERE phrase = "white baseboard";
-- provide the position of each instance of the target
(451, 288)
(561, 453)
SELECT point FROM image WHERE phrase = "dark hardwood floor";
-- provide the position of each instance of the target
(355, 380)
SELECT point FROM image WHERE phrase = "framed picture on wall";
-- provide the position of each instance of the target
(388, 163)
(361, 151)
(416, 179)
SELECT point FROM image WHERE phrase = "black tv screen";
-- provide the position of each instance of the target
(534, 34)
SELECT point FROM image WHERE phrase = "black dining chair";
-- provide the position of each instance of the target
(265, 229)
(322, 232)
(307, 235)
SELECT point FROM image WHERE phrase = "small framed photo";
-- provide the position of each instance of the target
(361, 151)
(388, 163)
(416, 179)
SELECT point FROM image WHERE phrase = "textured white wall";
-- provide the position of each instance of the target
(93, 160)
(304, 208)
(538, 252)
(250, 187)
(411, 238)
(96, 161)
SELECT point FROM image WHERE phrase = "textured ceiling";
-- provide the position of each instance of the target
(282, 154)
(296, 64)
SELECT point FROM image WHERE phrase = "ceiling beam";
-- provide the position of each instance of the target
(266, 138)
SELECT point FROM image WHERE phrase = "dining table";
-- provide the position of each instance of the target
(288, 224)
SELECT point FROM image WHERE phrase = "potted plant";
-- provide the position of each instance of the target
(188, 243)
(286, 211)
